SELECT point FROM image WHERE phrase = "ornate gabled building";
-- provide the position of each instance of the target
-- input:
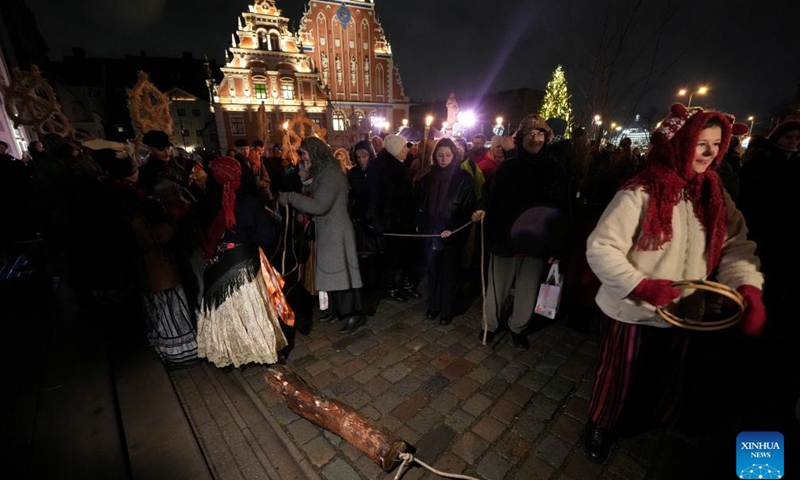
(338, 67)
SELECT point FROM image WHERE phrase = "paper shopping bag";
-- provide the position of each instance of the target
(549, 297)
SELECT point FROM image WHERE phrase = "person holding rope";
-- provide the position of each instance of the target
(444, 198)
(673, 221)
(336, 271)
(531, 181)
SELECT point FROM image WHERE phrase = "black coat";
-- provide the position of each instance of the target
(444, 200)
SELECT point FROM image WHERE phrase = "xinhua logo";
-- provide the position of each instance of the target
(759, 455)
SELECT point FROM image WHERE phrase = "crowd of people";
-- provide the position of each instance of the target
(194, 242)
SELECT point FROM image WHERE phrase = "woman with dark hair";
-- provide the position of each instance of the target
(362, 181)
(337, 272)
(444, 200)
(673, 221)
(238, 323)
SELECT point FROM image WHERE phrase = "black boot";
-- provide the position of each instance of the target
(351, 324)
(328, 317)
(598, 443)
(396, 294)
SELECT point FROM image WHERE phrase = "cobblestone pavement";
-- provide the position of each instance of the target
(490, 412)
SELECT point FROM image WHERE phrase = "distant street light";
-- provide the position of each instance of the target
(700, 91)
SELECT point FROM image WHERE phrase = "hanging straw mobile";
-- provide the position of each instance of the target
(699, 325)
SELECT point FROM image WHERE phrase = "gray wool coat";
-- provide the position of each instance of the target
(336, 255)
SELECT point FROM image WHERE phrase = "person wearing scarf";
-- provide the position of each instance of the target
(237, 324)
(444, 200)
(673, 221)
(337, 270)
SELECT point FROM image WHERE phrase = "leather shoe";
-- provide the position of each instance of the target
(445, 320)
(489, 336)
(431, 314)
(598, 443)
(351, 324)
(328, 317)
(395, 294)
(520, 341)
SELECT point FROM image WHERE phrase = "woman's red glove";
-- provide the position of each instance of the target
(657, 292)
(755, 315)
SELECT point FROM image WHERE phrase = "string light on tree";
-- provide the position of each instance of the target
(556, 103)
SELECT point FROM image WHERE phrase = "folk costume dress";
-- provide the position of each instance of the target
(237, 323)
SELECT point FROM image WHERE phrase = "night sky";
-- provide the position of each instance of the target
(747, 53)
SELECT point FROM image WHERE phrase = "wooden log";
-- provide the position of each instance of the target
(380, 445)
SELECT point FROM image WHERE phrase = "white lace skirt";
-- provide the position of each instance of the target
(243, 329)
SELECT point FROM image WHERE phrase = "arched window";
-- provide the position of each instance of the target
(380, 80)
(262, 40)
(339, 124)
(275, 42)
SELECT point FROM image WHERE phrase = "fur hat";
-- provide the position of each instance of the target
(394, 144)
(156, 139)
(534, 122)
(782, 129)
(497, 140)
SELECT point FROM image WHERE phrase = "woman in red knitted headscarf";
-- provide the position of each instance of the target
(237, 323)
(673, 221)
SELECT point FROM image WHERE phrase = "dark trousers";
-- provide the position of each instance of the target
(395, 263)
(444, 272)
(640, 370)
(345, 302)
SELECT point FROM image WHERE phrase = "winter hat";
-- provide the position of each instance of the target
(669, 176)
(242, 142)
(156, 139)
(539, 232)
(534, 122)
(394, 144)
(782, 129)
(497, 140)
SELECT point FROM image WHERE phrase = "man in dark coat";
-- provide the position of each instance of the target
(532, 178)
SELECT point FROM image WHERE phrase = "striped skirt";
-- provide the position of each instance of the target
(170, 330)
(640, 371)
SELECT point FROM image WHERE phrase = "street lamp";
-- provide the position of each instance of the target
(700, 91)
(752, 119)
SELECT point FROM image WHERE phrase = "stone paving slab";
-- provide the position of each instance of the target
(490, 412)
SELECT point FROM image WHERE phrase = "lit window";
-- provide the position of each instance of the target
(260, 89)
(237, 126)
(338, 121)
(120, 128)
(287, 88)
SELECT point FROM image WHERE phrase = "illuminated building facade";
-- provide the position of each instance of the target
(338, 67)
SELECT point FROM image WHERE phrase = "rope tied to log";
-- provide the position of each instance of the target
(409, 458)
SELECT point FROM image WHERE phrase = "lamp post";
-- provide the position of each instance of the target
(699, 91)
(752, 120)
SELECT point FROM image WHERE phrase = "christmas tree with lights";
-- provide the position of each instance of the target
(556, 99)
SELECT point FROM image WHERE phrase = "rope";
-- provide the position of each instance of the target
(409, 458)
(483, 289)
(428, 235)
(285, 239)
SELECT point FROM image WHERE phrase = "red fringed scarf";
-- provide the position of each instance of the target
(669, 176)
(227, 172)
